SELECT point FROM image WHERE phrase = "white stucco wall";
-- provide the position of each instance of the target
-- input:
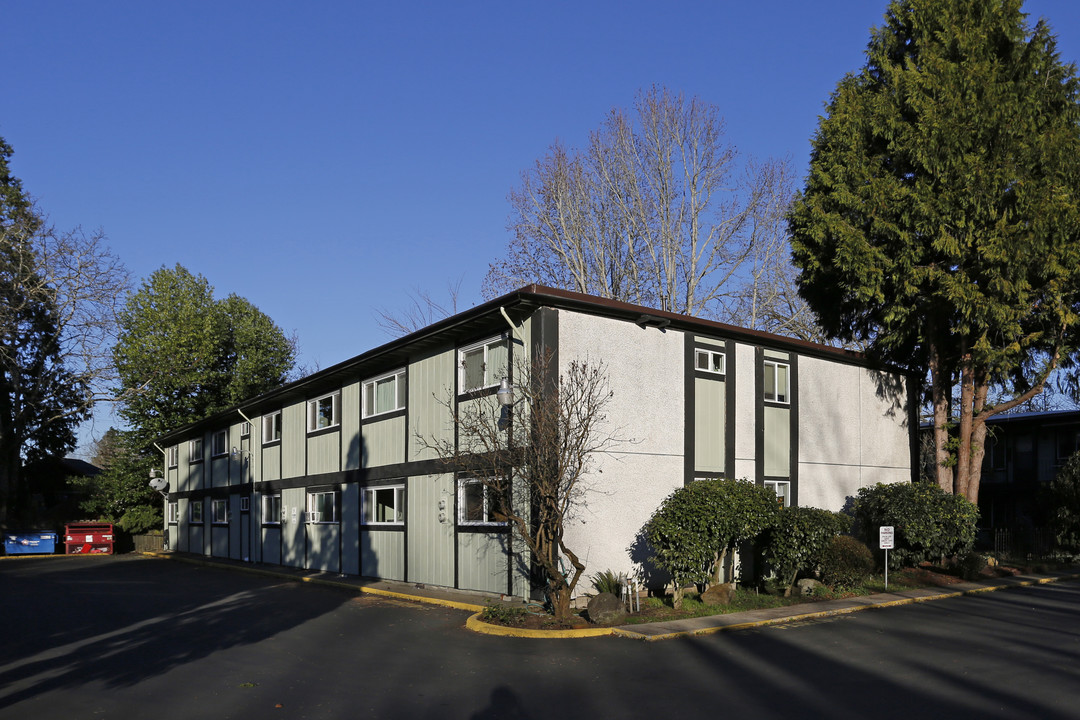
(645, 372)
(853, 431)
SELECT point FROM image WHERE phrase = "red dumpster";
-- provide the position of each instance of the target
(95, 538)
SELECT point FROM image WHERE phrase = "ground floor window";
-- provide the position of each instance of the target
(782, 488)
(219, 512)
(271, 509)
(478, 503)
(322, 506)
(384, 505)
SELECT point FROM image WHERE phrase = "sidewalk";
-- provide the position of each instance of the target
(476, 601)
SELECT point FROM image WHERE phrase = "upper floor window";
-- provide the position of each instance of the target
(219, 443)
(384, 394)
(245, 429)
(776, 383)
(172, 456)
(324, 412)
(478, 503)
(174, 512)
(271, 425)
(384, 505)
(709, 361)
(482, 365)
(195, 450)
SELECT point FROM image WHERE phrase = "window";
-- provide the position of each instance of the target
(271, 427)
(384, 394)
(271, 509)
(219, 443)
(1068, 439)
(196, 512)
(477, 504)
(482, 365)
(174, 513)
(384, 505)
(776, 381)
(245, 504)
(322, 506)
(195, 450)
(324, 412)
(173, 456)
(245, 429)
(782, 488)
(219, 512)
(709, 361)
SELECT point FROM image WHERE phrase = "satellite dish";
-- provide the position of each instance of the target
(159, 483)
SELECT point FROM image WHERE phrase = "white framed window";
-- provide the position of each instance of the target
(384, 505)
(219, 512)
(219, 443)
(782, 488)
(384, 394)
(322, 506)
(245, 429)
(195, 450)
(172, 456)
(174, 512)
(271, 509)
(245, 504)
(710, 361)
(776, 382)
(195, 512)
(477, 503)
(483, 364)
(324, 412)
(271, 425)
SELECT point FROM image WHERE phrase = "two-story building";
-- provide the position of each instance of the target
(336, 471)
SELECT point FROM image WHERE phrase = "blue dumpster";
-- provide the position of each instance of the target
(43, 543)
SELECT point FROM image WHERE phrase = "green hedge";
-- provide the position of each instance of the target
(798, 539)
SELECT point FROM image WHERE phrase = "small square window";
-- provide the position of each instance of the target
(384, 394)
(271, 427)
(478, 504)
(195, 512)
(219, 512)
(776, 382)
(384, 505)
(322, 506)
(271, 509)
(709, 361)
(219, 443)
(195, 453)
(324, 412)
(782, 488)
(245, 504)
(482, 365)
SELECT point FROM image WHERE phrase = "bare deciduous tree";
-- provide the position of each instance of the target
(656, 211)
(423, 310)
(533, 458)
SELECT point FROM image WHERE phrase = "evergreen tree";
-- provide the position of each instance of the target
(938, 222)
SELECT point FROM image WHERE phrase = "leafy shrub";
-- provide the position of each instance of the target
(1063, 506)
(971, 565)
(846, 563)
(693, 530)
(608, 581)
(929, 523)
(140, 519)
(798, 540)
(504, 614)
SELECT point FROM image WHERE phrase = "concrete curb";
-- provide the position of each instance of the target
(625, 631)
(477, 625)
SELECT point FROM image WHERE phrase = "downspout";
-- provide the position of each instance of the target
(251, 493)
(165, 510)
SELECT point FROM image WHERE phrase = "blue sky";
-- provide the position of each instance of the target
(323, 159)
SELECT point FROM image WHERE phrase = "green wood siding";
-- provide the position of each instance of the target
(382, 553)
(350, 426)
(323, 455)
(482, 561)
(430, 542)
(293, 440)
(431, 379)
(383, 442)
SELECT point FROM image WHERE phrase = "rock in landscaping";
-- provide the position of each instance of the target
(810, 586)
(721, 594)
(606, 609)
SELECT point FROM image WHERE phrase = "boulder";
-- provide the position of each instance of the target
(810, 586)
(606, 609)
(719, 594)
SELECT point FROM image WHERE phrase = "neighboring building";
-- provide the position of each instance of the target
(1024, 452)
(329, 472)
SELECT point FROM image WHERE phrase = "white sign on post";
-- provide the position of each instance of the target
(885, 542)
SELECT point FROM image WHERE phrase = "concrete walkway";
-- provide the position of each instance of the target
(476, 601)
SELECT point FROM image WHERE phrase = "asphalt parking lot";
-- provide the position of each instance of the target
(133, 637)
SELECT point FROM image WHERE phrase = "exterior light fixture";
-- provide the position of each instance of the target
(505, 393)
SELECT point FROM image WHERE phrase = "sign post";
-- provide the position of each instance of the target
(885, 542)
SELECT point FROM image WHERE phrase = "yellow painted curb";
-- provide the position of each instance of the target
(475, 624)
(472, 607)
